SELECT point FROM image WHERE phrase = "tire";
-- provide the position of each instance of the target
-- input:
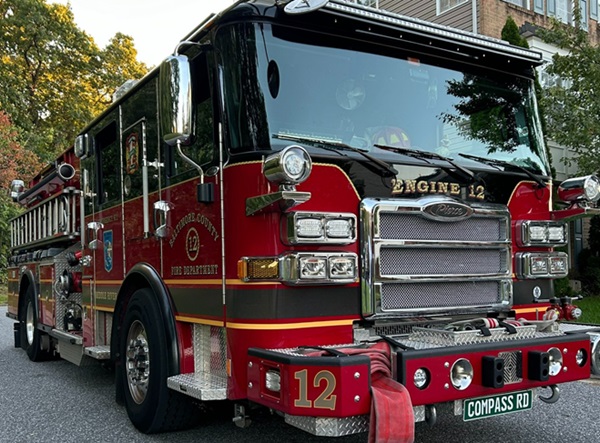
(31, 336)
(145, 361)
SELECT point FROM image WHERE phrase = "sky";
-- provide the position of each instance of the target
(155, 25)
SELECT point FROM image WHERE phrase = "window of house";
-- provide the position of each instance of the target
(445, 5)
(521, 3)
(564, 11)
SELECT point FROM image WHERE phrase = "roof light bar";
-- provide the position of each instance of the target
(433, 29)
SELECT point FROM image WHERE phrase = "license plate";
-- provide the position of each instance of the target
(476, 408)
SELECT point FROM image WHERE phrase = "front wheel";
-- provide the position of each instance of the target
(145, 362)
(32, 338)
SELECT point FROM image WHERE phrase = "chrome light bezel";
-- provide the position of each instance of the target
(555, 364)
(291, 268)
(526, 227)
(461, 374)
(525, 268)
(278, 167)
(577, 189)
(290, 234)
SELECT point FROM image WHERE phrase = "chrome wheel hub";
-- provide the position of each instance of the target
(29, 324)
(137, 361)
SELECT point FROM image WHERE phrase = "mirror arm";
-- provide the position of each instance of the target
(190, 161)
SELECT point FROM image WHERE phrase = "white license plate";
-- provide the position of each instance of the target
(483, 407)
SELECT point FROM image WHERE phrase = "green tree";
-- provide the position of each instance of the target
(15, 162)
(53, 77)
(572, 104)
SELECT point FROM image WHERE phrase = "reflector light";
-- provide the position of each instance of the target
(266, 268)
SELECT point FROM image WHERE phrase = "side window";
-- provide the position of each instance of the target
(109, 176)
(134, 146)
(201, 147)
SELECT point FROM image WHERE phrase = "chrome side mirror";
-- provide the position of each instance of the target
(175, 99)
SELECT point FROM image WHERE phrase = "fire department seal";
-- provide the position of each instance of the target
(131, 153)
(108, 250)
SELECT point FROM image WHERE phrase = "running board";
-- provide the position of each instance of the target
(98, 352)
(200, 385)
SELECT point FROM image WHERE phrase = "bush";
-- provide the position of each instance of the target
(589, 265)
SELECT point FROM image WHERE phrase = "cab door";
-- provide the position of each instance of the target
(142, 168)
(102, 229)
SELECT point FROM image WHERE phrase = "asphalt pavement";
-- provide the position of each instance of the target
(56, 401)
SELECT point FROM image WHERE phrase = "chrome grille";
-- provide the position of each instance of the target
(432, 261)
(413, 262)
(438, 295)
(395, 226)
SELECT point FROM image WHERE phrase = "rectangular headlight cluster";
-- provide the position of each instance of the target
(542, 265)
(318, 227)
(542, 233)
(301, 268)
(325, 268)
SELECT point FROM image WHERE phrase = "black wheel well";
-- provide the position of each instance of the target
(139, 277)
(24, 285)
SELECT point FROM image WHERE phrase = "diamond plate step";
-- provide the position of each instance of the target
(98, 352)
(200, 385)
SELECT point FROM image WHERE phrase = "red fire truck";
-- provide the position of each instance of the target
(320, 208)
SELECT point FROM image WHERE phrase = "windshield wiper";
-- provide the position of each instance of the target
(494, 162)
(385, 169)
(426, 156)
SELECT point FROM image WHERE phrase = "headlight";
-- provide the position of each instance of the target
(555, 361)
(542, 264)
(298, 268)
(319, 268)
(542, 233)
(318, 227)
(580, 188)
(290, 166)
(421, 378)
(461, 374)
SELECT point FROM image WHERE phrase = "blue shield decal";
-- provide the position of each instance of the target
(108, 250)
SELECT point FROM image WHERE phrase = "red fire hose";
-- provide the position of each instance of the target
(392, 417)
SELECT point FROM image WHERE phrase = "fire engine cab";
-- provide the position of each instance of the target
(335, 212)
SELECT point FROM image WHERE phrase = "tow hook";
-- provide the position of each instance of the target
(553, 397)
(430, 415)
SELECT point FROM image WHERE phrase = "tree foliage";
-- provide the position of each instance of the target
(572, 103)
(53, 77)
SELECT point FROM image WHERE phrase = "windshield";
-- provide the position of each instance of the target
(282, 82)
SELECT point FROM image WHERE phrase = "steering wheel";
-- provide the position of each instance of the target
(391, 136)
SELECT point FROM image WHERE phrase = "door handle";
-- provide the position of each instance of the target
(162, 228)
(93, 230)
